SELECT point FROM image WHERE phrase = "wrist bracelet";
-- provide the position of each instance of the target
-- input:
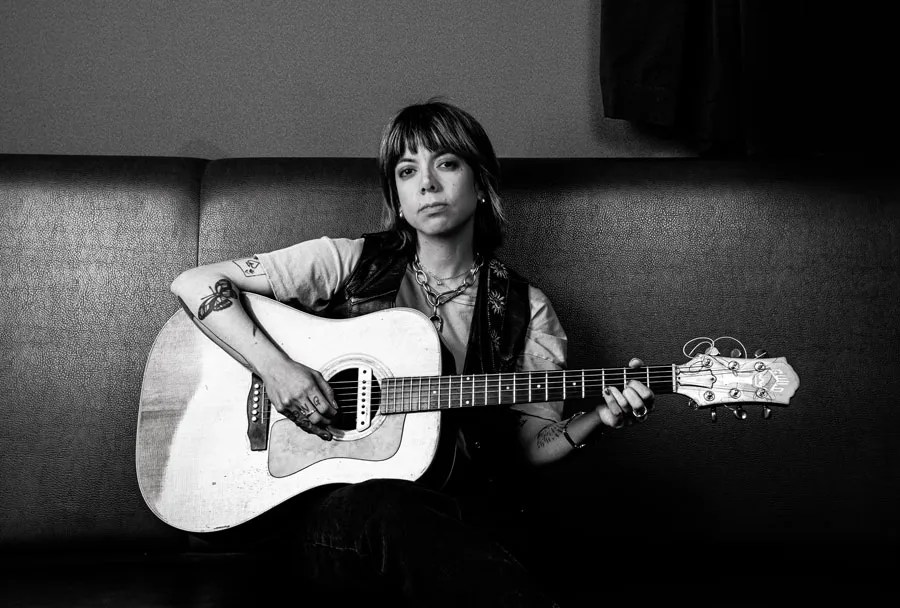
(566, 432)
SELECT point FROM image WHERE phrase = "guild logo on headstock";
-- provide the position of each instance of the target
(771, 379)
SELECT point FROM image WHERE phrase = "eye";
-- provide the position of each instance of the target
(449, 163)
(404, 172)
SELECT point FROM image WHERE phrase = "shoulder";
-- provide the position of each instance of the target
(387, 240)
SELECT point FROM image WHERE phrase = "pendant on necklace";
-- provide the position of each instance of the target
(438, 322)
(439, 282)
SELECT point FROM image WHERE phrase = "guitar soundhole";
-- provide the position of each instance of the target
(347, 390)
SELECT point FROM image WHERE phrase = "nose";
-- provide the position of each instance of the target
(428, 182)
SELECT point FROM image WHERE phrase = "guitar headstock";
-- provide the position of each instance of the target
(712, 380)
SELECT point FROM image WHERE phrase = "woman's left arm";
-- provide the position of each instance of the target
(542, 433)
(545, 437)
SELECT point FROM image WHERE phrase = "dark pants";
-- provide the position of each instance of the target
(404, 541)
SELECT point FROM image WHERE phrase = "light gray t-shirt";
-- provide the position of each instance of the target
(308, 275)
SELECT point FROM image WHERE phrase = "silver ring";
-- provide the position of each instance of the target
(640, 416)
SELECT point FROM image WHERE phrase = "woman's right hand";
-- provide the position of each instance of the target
(302, 395)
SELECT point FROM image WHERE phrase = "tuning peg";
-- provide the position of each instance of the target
(712, 414)
(693, 404)
(767, 412)
(759, 353)
(736, 352)
(740, 413)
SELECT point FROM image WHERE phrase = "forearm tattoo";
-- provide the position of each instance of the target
(222, 296)
(549, 434)
(251, 267)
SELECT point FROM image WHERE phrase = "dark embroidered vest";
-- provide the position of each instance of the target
(496, 338)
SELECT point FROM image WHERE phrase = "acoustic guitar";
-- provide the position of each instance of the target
(212, 452)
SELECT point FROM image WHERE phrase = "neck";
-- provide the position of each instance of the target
(445, 257)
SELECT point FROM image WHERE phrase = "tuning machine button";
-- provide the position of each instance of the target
(740, 413)
(767, 412)
(759, 353)
(713, 416)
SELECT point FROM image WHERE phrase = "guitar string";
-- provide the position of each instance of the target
(412, 385)
(558, 375)
(492, 395)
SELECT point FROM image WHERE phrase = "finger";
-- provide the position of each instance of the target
(612, 396)
(321, 406)
(607, 417)
(304, 408)
(619, 399)
(326, 391)
(635, 363)
(641, 389)
(305, 424)
(638, 408)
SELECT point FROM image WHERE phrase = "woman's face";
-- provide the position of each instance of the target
(437, 192)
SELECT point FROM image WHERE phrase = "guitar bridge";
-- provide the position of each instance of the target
(257, 415)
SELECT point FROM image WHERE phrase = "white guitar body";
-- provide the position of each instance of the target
(195, 465)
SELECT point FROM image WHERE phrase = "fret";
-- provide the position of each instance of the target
(556, 385)
(603, 378)
(529, 388)
(546, 386)
(421, 404)
(582, 384)
(447, 384)
(508, 388)
(624, 377)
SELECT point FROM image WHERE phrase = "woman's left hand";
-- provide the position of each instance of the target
(623, 407)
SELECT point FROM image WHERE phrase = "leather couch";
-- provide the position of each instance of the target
(639, 256)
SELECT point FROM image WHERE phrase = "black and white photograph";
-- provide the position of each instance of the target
(501, 304)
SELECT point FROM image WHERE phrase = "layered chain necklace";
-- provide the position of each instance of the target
(439, 299)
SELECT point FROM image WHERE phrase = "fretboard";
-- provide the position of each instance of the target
(430, 393)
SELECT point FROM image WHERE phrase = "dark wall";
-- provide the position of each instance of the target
(229, 79)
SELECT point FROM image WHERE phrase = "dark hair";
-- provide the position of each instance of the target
(443, 127)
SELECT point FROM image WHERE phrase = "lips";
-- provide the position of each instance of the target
(432, 207)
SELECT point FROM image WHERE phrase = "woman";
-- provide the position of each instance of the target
(444, 222)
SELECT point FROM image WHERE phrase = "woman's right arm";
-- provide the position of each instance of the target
(210, 296)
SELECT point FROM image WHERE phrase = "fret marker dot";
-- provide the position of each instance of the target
(467, 402)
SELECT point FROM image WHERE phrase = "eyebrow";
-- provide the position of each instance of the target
(407, 159)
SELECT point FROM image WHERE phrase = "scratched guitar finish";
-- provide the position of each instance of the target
(213, 453)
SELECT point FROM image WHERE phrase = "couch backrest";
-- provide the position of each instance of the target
(89, 246)
(639, 256)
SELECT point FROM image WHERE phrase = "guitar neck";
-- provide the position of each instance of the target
(432, 393)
